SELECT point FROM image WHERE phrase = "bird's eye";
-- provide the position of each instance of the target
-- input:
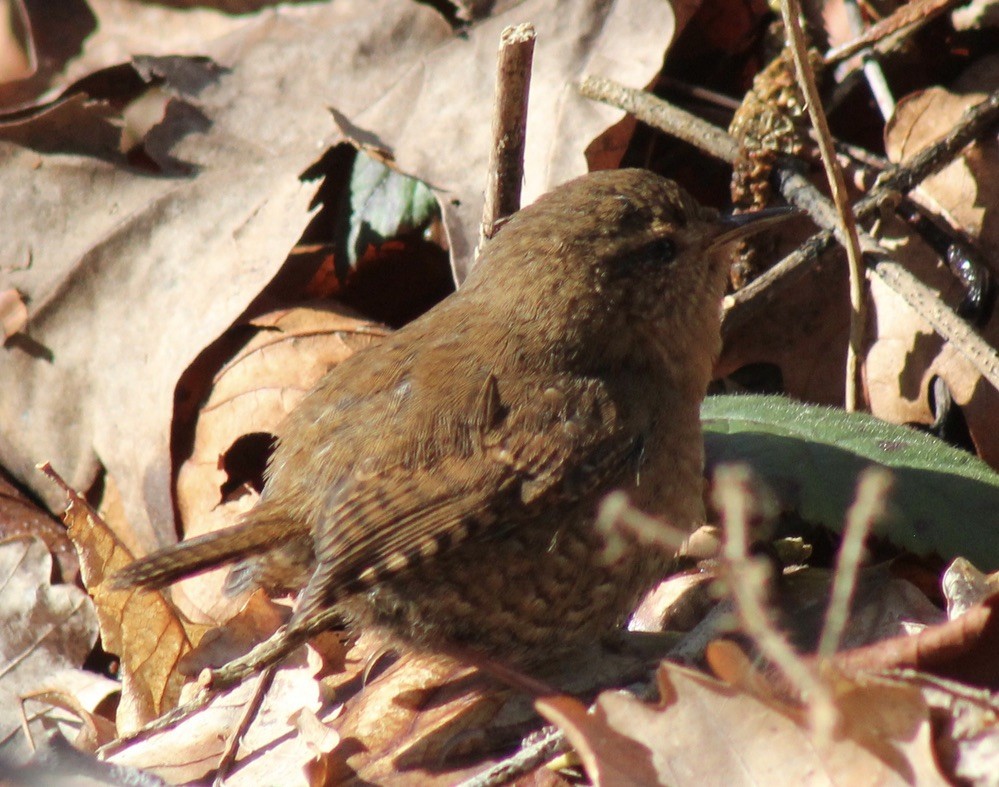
(650, 258)
(656, 253)
(662, 249)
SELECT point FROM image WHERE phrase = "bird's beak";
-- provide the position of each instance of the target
(743, 225)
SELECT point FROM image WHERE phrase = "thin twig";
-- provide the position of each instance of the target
(700, 93)
(662, 115)
(245, 720)
(167, 721)
(743, 306)
(791, 11)
(907, 18)
(528, 759)
(961, 335)
(733, 497)
(872, 67)
(280, 644)
(261, 657)
(872, 494)
(714, 142)
(506, 157)
(933, 158)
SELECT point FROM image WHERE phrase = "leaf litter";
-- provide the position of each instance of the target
(136, 262)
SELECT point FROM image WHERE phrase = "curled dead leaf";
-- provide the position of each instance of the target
(884, 739)
(142, 627)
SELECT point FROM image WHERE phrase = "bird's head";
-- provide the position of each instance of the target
(610, 251)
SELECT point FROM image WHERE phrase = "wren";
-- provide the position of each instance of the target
(443, 484)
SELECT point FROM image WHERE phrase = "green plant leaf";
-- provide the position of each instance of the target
(943, 500)
(384, 204)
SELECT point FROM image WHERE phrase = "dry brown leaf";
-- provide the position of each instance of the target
(271, 751)
(905, 353)
(964, 586)
(803, 336)
(421, 720)
(251, 395)
(44, 629)
(69, 700)
(15, 55)
(401, 723)
(964, 649)
(73, 39)
(678, 603)
(21, 517)
(321, 738)
(256, 621)
(882, 606)
(967, 187)
(968, 743)
(707, 732)
(610, 757)
(144, 272)
(142, 627)
(71, 124)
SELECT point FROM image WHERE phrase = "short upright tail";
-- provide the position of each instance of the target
(202, 554)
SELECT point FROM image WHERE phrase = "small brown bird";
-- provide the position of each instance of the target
(443, 484)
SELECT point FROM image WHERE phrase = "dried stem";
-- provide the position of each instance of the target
(700, 93)
(506, 158)
(908, 18)
(872, 67)
(250, 711)
(529, 758)
(791, 11)
(167, 721)
(662, 115)
(733, 497)
(872, 494)
(622, 526)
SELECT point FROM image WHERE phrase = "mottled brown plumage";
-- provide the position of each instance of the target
(443, 483)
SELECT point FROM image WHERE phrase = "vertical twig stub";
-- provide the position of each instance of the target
(506, 158)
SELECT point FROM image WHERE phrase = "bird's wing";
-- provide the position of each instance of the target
(556, 445)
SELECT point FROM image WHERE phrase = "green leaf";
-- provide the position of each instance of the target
(384, 204)
(942, 501)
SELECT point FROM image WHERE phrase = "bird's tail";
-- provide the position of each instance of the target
(202, 553)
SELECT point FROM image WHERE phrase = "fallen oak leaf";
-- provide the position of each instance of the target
(142, 627)
(765, 737)
(963, 649)
(609, 756)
